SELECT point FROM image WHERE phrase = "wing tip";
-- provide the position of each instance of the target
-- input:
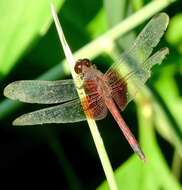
(165, 50)
(163, 16)
(24, 120)
(9, 90)
(15, 123)
(161, 55)
(19, 121)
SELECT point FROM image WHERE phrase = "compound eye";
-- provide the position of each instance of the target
(86, 62)
(79, 65)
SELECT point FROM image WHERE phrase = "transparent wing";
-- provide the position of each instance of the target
(133, 69)
(64, 113)
(125, 88)
(42, 92)
(142, 47)
(68, 112)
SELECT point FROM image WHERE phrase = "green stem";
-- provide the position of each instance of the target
(91, 122)
(177, 165)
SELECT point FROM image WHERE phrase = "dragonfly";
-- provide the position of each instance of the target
(111, 91)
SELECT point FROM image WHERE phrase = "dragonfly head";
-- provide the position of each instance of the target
(81, 64)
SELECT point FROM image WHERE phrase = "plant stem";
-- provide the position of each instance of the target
(176, 165)
(92, 124)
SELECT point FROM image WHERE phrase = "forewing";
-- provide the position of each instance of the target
(42, 92)
(148, 38)
(143, 46)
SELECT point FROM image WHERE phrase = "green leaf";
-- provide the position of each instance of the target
(124, 176)
(156, 163)
(175, 30)
(99, 20)
(172, 97)
(137, 4)
(134, 175)
(21, 23)
(115, 11)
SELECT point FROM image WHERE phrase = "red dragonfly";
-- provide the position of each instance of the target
(110, 91)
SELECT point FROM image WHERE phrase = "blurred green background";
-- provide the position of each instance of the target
(63, 156)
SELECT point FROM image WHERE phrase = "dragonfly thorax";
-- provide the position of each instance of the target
(94, 83)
